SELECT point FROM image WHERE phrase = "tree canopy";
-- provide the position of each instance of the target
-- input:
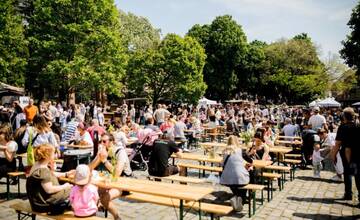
(351, 50)
(73, 44)
(226, 47)
(137, 32)
(173, 71)
(293, 71)
(13, 45)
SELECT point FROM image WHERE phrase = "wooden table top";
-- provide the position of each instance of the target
(212, 144)
(289, 137)
(78, 146)
(281, 150)
(296, 142)
(261, 163)
(198, 157)
(176, 191)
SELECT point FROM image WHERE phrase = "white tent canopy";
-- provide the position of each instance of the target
(204, 101)
(329, 102)
(356, 104)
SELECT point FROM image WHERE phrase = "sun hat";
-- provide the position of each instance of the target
(316, 109)
(82, 174)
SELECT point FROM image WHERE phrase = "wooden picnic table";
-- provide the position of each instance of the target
(78, 146)
(198, 157)
(167, 190)
(296, 142)
(212, 144)
(288, 137)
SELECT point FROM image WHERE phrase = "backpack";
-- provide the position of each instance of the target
(21, 148)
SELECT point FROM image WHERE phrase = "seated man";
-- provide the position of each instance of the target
(116, 162)
(162, 150)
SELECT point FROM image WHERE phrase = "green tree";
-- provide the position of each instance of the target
(226, 48)
(250, 72)
(13, 45)
(293, 71)
(75, 45)
(341, 78)
(172, 71)
(137, 32)
(351, 51)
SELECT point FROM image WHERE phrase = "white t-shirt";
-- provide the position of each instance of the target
(120, 139)
(122, 157)
(179, 129)
(316, 121)
(11, 147)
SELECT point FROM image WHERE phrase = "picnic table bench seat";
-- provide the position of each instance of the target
(269, 177)
(180, 179)
(23, 209)
(293, 163)
(15, 175)
(212, 209)
(252, 196)
(200, 167)
(293, 155)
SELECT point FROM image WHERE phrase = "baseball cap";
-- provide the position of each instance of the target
(82, 174)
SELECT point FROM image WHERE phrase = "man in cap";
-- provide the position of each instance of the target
(317, 121)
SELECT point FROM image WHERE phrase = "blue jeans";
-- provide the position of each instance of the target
(348, 177)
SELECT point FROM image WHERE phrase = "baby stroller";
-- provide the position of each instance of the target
(140, 157)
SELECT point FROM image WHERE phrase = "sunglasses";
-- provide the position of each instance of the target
(104, 141)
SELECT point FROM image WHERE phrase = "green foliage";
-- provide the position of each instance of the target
(13, 45)
(172, 71)
(137, 32)
(293, 72)
(344, 83)
(351, 51)
(226, 48)
(76, 45)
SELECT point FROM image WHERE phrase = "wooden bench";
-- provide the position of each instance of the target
(16, 175)
(293, 163)
(212, 209)
(199, 167)
(270, 177)
(252, 195)
(24, 210)
(293, 155)
(281, 170)
(180, 179)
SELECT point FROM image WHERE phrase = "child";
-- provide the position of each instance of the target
(84, 195)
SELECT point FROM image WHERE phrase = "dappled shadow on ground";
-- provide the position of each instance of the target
(321, 200)
(310, 178)
(325, 216)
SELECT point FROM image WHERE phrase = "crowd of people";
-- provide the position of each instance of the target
(330, 134)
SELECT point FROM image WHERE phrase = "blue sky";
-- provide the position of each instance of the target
(267, 20)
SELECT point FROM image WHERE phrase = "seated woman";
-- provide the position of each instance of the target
(260, 150)
(8, 149)
(235, 174)
(43, 189)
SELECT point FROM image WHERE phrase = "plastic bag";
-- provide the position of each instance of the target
(212, 178)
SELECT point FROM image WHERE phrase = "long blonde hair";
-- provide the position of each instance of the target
(232, 145)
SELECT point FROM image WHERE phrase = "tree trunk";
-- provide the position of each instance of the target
(71, 96)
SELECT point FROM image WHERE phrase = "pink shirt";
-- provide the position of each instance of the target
(84, 201)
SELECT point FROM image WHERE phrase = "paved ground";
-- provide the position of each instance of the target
(303, 198)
